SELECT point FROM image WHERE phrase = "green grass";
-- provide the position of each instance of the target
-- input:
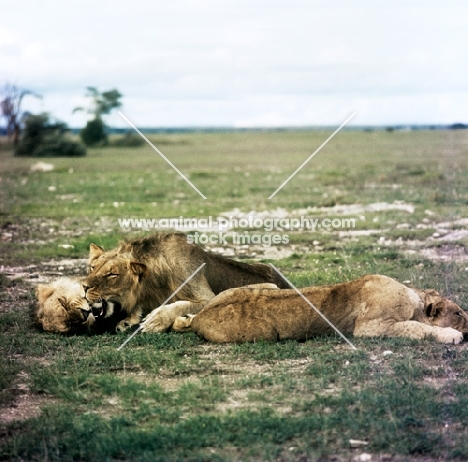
(176, 397)
(232, 167)
(314, 396)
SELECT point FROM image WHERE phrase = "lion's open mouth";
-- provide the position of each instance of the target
(99, 309)
(104, 308)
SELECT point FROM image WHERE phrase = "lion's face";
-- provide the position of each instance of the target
(113, 279)
(62, 307)
(442, 312)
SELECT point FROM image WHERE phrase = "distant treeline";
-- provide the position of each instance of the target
(165, 130)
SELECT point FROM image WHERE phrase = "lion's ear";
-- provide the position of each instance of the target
(44, 292)
(431, 310)
(432, 305)
(95, 251)
(138, 268)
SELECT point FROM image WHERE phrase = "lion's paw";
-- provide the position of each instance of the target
(122, 326)
(125, 324)
(161, 319)
(183, 323)
(449, 335)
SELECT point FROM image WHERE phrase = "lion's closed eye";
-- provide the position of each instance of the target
(112, 275)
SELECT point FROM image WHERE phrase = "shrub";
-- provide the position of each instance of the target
(94, 132)
(41, 138)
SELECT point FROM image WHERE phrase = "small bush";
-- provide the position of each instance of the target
(94, 132)
(41, 138)
(61, 148)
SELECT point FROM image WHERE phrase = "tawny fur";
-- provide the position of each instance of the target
(141, 274)
(62, 307)
(371, 306)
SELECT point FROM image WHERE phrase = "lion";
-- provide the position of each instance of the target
(142, 274)
(371, 306)
(62, 308)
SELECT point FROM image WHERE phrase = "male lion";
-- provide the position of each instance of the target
(140, 275)
(62, 308)
(370, 306)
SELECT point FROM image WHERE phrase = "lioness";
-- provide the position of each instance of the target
(140, 275)
(62, 308)
(370, 306)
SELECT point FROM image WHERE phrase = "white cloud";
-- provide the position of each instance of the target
(252, 62)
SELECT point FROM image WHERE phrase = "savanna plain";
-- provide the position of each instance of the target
(177, 397)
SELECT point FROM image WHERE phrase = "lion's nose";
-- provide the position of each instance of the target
(85, 288)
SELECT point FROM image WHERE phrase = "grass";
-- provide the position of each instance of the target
(230, 167)
(176, 397)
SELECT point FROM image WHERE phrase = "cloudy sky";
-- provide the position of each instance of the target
(243, 63)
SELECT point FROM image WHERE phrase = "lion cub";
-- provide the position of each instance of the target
(371, 306)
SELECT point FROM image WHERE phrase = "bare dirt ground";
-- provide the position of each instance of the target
(25, 404)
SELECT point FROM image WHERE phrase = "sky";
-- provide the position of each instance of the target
(242, 63)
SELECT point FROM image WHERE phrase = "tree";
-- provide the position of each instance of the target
(101, 105)
(11, 109)
(43, 138)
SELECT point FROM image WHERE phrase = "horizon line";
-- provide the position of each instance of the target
(399, 126)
